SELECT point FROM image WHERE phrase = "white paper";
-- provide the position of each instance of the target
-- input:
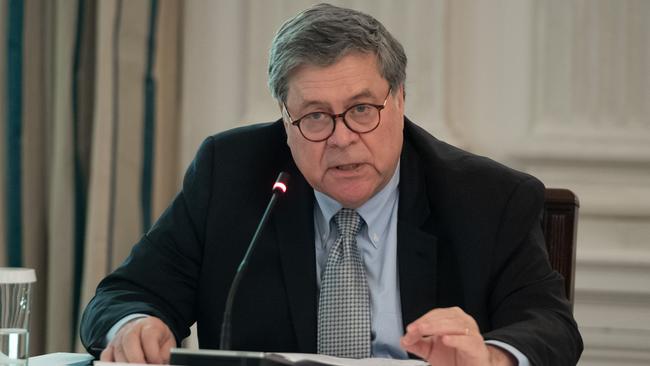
(104, 363)
(61, 359)
(336, 361)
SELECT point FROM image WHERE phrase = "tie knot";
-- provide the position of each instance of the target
(348, 222)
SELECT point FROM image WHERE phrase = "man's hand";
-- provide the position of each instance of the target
(451, 337)
(143, 340)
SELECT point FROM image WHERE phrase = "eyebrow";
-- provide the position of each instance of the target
(365, 93)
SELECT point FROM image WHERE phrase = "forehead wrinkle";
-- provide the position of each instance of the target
(365, 93)
(313, 85)
(344, 82)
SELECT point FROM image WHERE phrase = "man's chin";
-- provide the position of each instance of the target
(351, 193)
(352, 200)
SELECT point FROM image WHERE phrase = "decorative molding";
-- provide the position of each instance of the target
(612, 356)
(612, 302)
(590, 69)
(616, 186)
(613, 273)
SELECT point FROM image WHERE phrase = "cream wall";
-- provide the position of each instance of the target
(557, 88)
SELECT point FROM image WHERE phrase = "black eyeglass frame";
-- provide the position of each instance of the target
(334, 117)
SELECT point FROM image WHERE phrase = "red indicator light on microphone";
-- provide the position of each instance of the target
(281, 183)
(281, 186)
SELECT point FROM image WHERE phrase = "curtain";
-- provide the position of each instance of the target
(89, 133)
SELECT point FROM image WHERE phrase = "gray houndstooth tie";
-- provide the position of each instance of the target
(344, 304)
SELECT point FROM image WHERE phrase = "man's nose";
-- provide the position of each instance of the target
(342, 135)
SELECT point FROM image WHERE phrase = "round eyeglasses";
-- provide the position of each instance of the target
(319, 126)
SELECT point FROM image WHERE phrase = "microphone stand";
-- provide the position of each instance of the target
(279, 187)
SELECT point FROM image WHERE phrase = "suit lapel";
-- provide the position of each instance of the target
(416, 248)
(294, 222)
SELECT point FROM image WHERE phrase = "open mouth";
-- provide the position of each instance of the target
(347, 166)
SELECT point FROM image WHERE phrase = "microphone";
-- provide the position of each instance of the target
(279, 188)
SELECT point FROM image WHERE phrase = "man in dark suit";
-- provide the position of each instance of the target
(405, 243)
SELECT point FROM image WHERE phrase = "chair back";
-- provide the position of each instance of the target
(560, 224)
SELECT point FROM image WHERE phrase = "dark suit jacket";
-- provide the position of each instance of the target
(468, 235)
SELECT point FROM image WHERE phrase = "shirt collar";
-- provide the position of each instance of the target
(376, 212)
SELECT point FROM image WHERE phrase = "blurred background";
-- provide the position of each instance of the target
(104, 103)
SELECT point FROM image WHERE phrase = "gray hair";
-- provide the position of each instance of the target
(324, 33)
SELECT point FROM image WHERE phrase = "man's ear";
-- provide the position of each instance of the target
(283, 113)
(400, 97)
(285, 118)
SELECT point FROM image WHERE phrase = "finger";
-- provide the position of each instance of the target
(453, 315)
(421, 348)
(440, 326)
(107, 354)
(467, 347)
(118, 353)
(439, 322)
(442, 313)
(152, 338)
(417, 332)
(150, 347)
(131, 346)
(165, 350)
